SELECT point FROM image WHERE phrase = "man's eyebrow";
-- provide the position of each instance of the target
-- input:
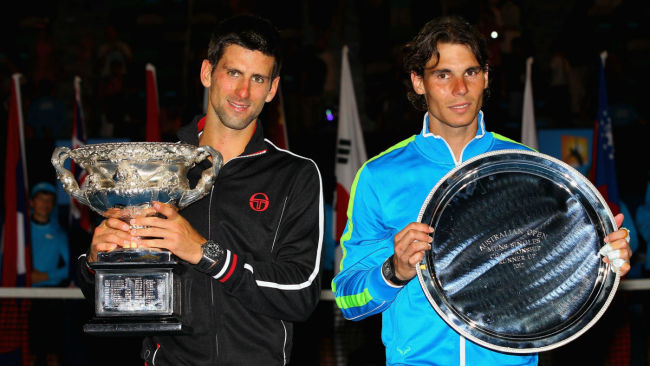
(232, 68)
(443, 71)
(474, 68)
(265, 77)
(433, 70)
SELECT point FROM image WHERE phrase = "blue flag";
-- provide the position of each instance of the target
(603, 170)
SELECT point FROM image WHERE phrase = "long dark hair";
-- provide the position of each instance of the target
(445, 29)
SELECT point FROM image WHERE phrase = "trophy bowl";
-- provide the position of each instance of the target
(137, 290)
(125, 177)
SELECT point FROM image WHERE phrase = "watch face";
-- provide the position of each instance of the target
(386, 269)
(514, 263)
(213, 250)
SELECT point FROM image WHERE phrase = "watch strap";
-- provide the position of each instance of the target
(388, 271)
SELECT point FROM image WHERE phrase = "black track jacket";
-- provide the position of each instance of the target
(266, 208)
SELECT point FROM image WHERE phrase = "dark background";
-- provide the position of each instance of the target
(56, 40)
(60, 39)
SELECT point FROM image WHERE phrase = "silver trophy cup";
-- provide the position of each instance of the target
(137, 290)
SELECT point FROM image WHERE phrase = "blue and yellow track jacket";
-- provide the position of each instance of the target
(386, 195)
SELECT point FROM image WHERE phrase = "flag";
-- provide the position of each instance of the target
(153, 121)
(79, 213)
(603, 169)
(603, 175)
(350, 148)
(277, 123)
(528, 128)
(15, 238)
(16, 256)
(350, 156)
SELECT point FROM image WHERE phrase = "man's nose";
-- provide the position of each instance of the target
(243, 89)
(460, 86)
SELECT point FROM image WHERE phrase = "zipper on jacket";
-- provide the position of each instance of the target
(153, 358)
(284, 344)
(216, 333)
(462, 351)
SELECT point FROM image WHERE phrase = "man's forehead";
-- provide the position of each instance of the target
(452, 56)
(236, 56)
(44, 194)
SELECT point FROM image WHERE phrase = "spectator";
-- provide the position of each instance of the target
(559, 96)
(114, 57)
(46, 115)
(113, 53)
(47, 65)
(643, 222)
(50, 269)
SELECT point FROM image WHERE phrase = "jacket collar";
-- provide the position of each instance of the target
(191, 132)
(436, 149)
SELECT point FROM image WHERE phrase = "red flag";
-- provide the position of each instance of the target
(153, 122)
(350, 148)
(277, 131)
(16, 256)
(79, 213)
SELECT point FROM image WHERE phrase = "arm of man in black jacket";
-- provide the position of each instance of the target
(286, 287)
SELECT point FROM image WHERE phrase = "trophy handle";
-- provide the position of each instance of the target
(66, 178)
(207, 178)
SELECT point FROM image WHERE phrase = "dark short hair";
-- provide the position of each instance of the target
(249, 31)
(445, 29)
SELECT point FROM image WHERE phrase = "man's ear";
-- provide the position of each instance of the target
(274, 89)
(206, 73)
(486, 78)
(418, 83)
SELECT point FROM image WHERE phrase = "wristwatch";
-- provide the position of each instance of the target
(388, 271)
(212, 259)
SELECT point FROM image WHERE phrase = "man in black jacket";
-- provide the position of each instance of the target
(252, 246)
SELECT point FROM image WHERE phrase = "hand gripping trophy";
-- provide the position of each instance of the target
(136, 289)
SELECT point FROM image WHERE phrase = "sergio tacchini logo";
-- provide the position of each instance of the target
(259, 202)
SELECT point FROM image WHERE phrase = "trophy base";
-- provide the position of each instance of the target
(120, 327)
(137, 292)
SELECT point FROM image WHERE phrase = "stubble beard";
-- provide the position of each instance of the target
(235, 123)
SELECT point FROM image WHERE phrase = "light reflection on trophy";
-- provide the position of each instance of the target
(137, 290)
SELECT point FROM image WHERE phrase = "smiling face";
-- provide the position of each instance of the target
(453, 87)
(239, 85)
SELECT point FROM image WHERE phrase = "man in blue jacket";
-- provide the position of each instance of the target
(382, 242)
(50, 256)
(49, 239)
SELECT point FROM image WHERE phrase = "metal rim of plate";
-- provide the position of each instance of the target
(535, 328)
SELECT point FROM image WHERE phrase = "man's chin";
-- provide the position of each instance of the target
(237, 123)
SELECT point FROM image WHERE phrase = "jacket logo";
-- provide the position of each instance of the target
(404, 352)
(259, 202)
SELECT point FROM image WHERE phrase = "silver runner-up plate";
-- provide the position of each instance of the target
(514, 263)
